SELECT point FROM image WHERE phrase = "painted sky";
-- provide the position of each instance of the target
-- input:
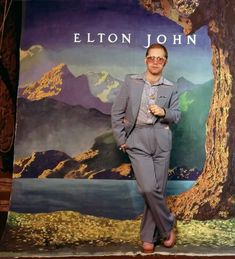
(52, 24)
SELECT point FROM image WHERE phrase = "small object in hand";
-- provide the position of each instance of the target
(122, 148)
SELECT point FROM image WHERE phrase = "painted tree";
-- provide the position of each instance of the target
(213, 195)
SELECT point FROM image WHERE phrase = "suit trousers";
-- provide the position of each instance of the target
(150, 164)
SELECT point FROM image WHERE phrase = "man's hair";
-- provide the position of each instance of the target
(157, 46)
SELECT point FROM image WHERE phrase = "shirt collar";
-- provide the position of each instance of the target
(161, 81)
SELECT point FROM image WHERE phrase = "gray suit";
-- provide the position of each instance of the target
(148, 147)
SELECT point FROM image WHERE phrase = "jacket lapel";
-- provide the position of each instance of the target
(137, 93)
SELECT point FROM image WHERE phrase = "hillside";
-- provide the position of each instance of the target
(189, 133)
(49, 124)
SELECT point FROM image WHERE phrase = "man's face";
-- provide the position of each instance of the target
(155, 61)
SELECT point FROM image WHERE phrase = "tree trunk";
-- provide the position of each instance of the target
(213, 195)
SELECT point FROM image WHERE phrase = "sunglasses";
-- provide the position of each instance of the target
(158, 60)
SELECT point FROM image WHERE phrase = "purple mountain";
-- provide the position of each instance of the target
(60, 84)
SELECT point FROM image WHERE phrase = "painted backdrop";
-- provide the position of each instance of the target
(68, 172)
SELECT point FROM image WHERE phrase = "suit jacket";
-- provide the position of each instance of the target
(126, 107)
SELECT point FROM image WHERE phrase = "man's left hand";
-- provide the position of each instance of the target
(157, 110)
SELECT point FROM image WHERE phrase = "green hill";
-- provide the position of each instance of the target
(189, 134)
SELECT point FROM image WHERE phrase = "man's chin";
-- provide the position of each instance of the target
(155, 73)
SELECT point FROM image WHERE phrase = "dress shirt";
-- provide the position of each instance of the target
(149, 97)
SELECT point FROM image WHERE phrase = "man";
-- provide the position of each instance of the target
(141, 114)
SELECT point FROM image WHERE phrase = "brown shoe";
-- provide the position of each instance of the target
(170, 241)
(147, 248)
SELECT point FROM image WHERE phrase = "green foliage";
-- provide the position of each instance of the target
(189, 134)
(185, 102)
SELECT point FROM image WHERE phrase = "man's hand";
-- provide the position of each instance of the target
(157, 110)
(122, 147)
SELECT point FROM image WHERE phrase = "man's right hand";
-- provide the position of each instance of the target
(122, 147)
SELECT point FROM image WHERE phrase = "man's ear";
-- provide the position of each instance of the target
(145, 61)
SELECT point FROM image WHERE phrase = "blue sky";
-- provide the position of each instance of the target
(52, 24)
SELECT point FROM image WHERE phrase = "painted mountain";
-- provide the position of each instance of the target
(32, 166)
(185, 85)
(60, 84)
(44, 125)
(49, 124)
(104, 86)
(102, 161)
(66, 113)
(37, 61)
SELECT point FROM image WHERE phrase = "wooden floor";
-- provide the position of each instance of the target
(123, 257)
(71, 254)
